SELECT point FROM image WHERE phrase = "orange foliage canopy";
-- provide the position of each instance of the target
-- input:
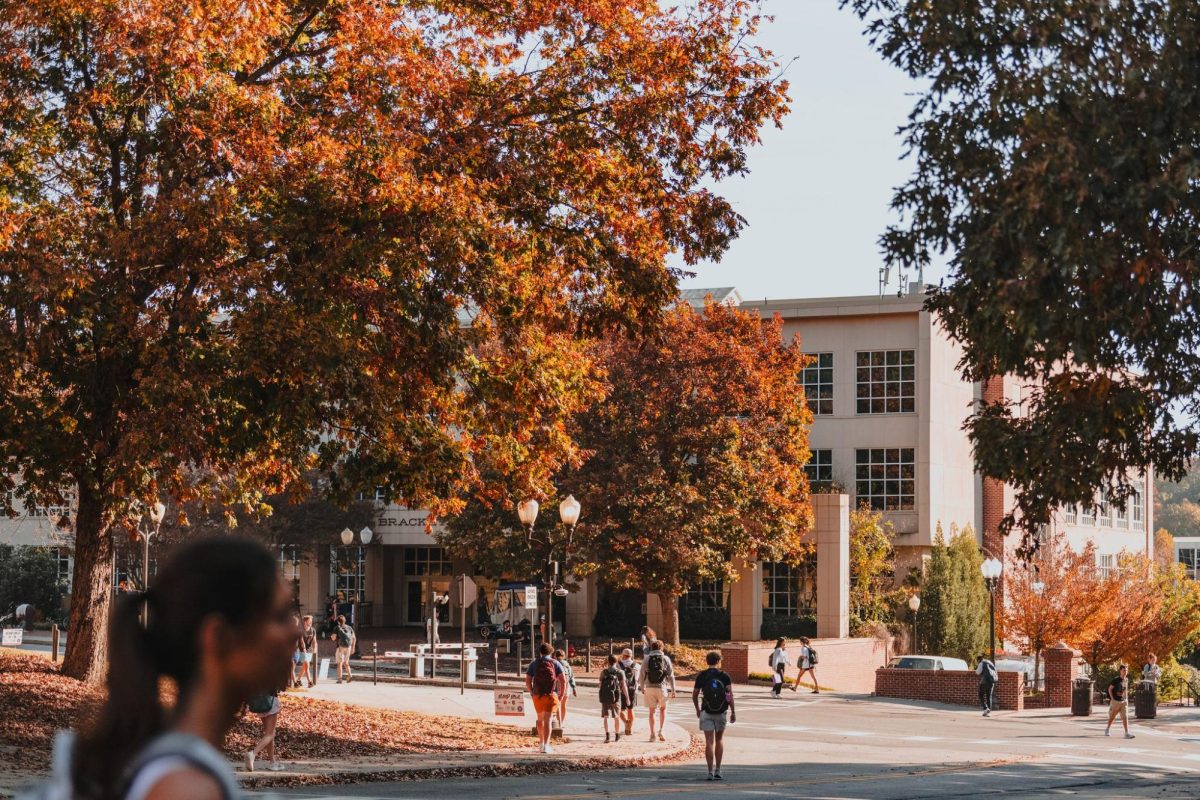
(240, 240)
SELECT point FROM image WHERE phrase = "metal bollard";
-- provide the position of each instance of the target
(519, 649)
(54, 644)
(610, 645)
(587, 659)
(496, 664)
(631, 647)
(375, 663)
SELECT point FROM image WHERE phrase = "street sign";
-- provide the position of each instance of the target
(12, 637)
(510, 702)
(531, 594)
(465, 590)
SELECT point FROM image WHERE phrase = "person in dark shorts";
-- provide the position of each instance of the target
(614, 696)
(713, 698)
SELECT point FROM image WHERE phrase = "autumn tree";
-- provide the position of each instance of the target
(1053, 598)
(1053, 168)
(247, 240)
(953, 619)
(873, 593)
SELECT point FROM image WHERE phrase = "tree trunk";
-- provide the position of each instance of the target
(670, 614)
(91, 593)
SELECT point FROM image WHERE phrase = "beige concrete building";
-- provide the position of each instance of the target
(889, 406)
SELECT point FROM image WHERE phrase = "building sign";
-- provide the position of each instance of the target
(510, 702)
(12, 637)
(403, 526)
(531, 597)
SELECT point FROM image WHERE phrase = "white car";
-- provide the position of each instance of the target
(927, 662)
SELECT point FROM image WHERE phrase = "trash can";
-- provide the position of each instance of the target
(1081, 698)
(1145, 700)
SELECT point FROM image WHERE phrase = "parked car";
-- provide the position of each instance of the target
(927, 662)
(1023, 664)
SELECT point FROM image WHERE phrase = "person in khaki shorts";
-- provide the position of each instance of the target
(1116, 700)
(656, 681)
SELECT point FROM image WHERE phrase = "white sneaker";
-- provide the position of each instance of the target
(1106, 733)
(550, 749)
(250, 762)
(541, 748)
(275, 767)
(1129, 736)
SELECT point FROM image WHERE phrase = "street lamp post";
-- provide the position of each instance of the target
(914, 605)
(992, 568)
(568, 513)
(155, 512)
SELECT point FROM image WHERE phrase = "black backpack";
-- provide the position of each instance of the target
(656, 669)
(712, 692)
(628, 670)
(610, 687)
(812, 656)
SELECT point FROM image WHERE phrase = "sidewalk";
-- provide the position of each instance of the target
(582, 746)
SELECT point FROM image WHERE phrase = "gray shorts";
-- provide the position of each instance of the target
(713, 722)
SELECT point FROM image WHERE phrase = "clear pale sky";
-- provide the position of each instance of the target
(817, 195)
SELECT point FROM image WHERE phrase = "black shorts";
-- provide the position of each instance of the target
(627, 704)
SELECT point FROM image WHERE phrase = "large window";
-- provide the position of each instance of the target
(818, 383)
(1187, 556)
(819, 468)
(427, 561)
(1104, 512)
(885, 478)
(65, 567)
(1087, 515)
(787, 589)
(1137, 511)
(705, 596)
(53, 511)
(1071, 514)
(348, 572)
(886, 382)
(1106, 564)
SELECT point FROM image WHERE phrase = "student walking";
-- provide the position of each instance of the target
(568, 684)
(614, 695)
(1151, 671)
(631, 680)
(544, 680)
(806, 662)
(713, 699)
(778, 662)
(1117, 691)
(218, 623)
(657, 684)
(308, 648)
(648, 635)
(345, 639)
(988, 676)
(266, 706)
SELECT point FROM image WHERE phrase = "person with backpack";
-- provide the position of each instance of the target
(266, 706)
(544, 681)
(657, 684)
(218, 624)
(988, 676)
(631, 680)
(345, 638)
(614, 695)
(308, 647)
(568, 684)
(778, 663)
(1117, 691)
(805, 663)
(713, 698)
(1151, 671)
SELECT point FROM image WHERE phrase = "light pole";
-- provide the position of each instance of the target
(992, 568)
(155, 512)
(914, 605)
(568, 513)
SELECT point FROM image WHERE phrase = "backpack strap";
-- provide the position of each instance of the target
(197, 752)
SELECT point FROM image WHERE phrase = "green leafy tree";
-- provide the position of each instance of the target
(873, 594)
(953, 620)
(29, 575)
(1054, 168)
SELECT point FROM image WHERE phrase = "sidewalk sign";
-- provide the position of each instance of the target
(323, 672)
(531, 597)
(12, 637)
(510, 702)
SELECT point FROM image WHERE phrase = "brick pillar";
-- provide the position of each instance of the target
(745, 602)
(1062, 667)
(832, 532)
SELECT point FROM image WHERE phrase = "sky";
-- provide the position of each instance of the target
(817, 196)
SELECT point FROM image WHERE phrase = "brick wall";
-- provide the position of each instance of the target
(957, 687)
(1062, 668)
(844, 665)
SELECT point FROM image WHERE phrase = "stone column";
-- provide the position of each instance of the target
(654, 612)
(581, 609)
(745, 602)
(1061, 669)
(832, 533)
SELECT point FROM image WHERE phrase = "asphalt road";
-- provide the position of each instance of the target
(836, 747)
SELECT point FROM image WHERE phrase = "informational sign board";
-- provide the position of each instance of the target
(510, 703)
(531, 594)
(12, 637)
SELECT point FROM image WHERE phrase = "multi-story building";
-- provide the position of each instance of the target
(889, 406)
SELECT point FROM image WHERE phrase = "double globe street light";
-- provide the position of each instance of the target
(992, 569)
(568, 513)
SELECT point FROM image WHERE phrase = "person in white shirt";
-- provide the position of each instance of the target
(1151, 671)
(656, 680)
(806, 663)
(779, 664)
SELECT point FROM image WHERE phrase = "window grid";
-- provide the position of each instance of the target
(427, 561)
(819, 468)
(66, 563)
(289, 562)
(348, 572)
(1136, 510)
(817, 379)
(1187, 557)
(1087, 515)
(886, 382)
(1106, 564)
(1104, 512)
(782, 589)
(1071, 515)
(885, 478)
(705, 596)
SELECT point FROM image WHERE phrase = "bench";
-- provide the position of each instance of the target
(418, 659)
